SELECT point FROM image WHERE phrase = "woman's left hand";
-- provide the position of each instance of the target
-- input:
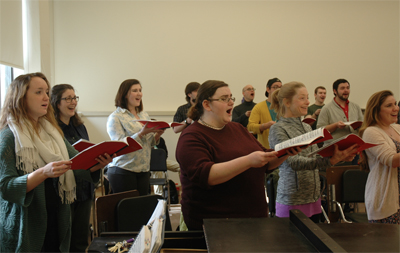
(293, 151)
(159, 132)
(103, 160)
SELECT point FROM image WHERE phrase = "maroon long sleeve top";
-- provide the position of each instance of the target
(199, 147)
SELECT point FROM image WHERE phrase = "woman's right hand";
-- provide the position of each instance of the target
(344, 155)
(50, 170)
(56, 169)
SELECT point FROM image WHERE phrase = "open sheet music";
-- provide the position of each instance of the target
(151, 236)
(313, 137)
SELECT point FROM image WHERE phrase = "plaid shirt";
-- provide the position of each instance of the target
(181, 112)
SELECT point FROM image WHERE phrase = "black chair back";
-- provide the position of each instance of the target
(133, 213)
(105, 210)
(158, 160)
(354, 182)
(158, 163)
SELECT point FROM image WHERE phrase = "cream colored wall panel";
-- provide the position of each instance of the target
(166, 44)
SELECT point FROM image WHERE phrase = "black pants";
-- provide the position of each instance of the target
(123, 180)
(316, 218)
(80, 214)
(53, 202)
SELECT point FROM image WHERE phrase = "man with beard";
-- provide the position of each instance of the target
(181, 113)
(241, 113)
(315, 109)
(340, 110)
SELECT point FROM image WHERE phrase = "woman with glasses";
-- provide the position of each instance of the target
(131, 171)
(64, 102)
(36, 183)
(222, 164)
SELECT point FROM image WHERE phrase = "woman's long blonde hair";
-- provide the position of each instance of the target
(16, 106)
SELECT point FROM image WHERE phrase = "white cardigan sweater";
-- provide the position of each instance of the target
(382, 188)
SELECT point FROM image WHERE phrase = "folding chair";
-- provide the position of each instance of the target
(323, 197)
(158, 163)
(353, 183)
(133, 213)
(105, 209)
(271, 185)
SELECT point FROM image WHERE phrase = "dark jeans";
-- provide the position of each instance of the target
(80, 212)
(123, 180)
(51, 240)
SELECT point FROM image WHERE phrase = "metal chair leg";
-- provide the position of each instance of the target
(326, 216)
(342, 213)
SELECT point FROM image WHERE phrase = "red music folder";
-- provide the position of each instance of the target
(89, 151)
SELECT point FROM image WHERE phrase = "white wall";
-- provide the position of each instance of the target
(166, 44)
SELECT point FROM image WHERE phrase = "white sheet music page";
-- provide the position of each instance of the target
(156, 235)
(142, 242)
(151, 236)
(301, 140)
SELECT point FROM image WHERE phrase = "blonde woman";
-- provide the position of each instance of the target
(299, 183)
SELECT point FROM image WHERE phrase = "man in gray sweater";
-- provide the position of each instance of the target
(340, 110)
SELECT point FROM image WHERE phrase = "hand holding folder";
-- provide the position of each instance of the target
(88, 152)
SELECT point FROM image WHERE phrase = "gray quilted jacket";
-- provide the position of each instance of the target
(299, 181)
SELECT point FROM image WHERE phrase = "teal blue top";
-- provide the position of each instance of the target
(23, 219)
(272, 112)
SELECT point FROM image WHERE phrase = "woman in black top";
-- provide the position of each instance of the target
(64, 102)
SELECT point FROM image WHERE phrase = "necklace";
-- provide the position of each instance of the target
(390, 132)
(207, 125)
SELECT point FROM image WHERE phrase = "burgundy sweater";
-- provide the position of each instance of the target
(199, 147)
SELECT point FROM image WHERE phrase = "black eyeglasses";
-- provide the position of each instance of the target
(69, 99)
(275, 87)
(224, 100)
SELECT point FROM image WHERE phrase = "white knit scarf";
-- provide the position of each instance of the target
(36, 152)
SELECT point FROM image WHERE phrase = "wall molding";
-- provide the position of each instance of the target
(88, 114)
